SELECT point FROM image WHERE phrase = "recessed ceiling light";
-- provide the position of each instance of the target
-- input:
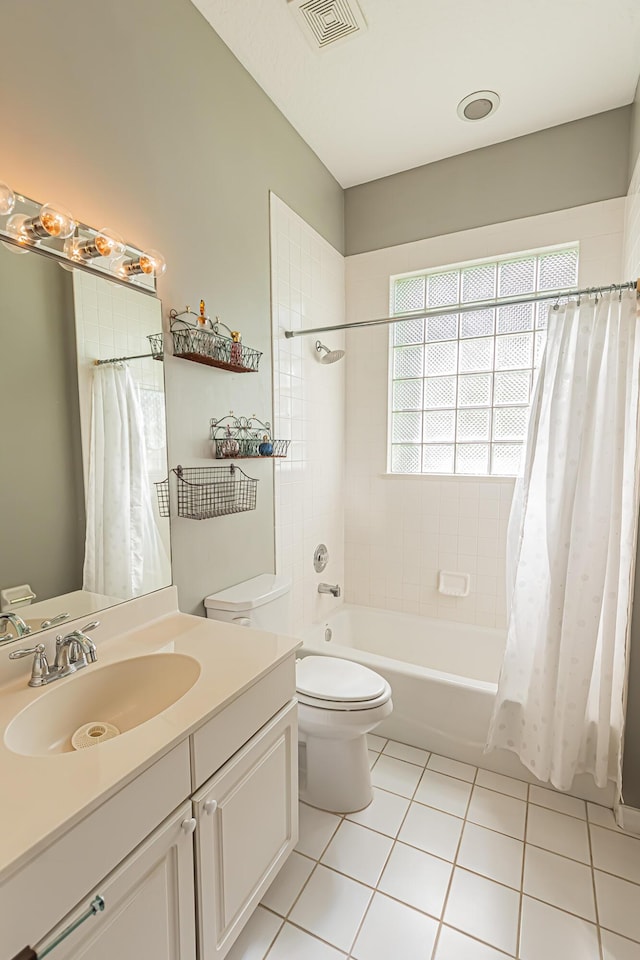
(478, 105)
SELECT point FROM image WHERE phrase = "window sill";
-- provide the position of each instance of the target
(464, 477)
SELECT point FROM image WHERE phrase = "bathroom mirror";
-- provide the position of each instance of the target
(79, 518)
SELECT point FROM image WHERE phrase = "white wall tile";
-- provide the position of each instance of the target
(308, 290)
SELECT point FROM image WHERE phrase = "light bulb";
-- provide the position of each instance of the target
(106, 243)
(15, 229)
(153, 262)
(7, 200)
(149, 263)
(52, 221)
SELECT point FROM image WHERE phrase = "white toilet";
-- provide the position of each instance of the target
(339, 701)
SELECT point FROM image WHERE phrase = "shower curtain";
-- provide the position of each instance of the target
(124, 553)
(571, 551)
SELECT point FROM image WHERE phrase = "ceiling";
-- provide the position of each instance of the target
(385, 100)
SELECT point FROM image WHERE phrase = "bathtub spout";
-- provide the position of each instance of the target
(332, 588)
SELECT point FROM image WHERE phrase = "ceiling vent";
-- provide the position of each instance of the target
(328, 22)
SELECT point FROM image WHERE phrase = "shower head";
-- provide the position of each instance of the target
(330, 356)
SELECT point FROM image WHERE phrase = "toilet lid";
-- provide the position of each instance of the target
(343, 681)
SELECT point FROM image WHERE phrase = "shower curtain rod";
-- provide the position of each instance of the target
(468, 307)
(138, 356)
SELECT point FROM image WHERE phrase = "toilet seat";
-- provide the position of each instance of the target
(331, 683)
(340, 706)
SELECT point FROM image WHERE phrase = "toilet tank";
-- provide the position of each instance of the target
(262, 603)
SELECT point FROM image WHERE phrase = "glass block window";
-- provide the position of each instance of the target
(461, 382)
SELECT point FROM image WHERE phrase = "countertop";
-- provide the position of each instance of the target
(41, 797)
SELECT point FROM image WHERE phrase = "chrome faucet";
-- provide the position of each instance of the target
(331, 588)
(76, 649)
(18, 624)
(73, 652)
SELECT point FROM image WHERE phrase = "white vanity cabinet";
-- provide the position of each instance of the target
(150, 905)
(247, 825)
(182, 854)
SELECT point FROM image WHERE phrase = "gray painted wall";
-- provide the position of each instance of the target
(631, 767)
(554, 169)
(631, 764)
(41, 490)
(146, 122)
(634, 139)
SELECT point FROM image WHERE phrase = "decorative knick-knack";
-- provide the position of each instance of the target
(230, 446)
(203, 319)
(266, 447)
(236, 349)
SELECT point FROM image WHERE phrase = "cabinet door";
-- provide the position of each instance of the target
(247, 826)
(149, 903)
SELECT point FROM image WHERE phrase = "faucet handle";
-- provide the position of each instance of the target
(89, 626)
(26, 651)
(40, 668)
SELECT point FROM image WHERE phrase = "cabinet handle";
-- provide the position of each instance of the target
(188, 825)
(210, 806)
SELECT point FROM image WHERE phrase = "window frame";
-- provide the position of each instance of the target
(493, 303)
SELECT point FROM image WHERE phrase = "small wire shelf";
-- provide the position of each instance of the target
(244, 438)
(205, 344)
(206, 492)
(156, 343)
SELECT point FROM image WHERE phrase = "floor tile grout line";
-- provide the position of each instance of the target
(595, 895)
(524, 857)
(309, 933)
(276, 935)
(393, 846)
(445, 902)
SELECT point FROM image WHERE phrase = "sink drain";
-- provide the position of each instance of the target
(91, 733)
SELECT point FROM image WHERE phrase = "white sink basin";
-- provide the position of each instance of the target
(126, 694)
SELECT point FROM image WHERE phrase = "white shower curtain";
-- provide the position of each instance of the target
(124, 554)
(560, 701)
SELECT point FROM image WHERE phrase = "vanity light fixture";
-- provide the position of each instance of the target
(106, 243)
(49, 229)
(151, 263)
(7, 200)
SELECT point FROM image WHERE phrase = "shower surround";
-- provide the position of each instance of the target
(402, 529)
(307, 290)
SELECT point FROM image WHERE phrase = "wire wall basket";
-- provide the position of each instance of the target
(206, 492)
(203, 343)
(244, 438)
(162, 492)
(156, 343)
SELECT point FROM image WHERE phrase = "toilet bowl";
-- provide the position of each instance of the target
(339, 701)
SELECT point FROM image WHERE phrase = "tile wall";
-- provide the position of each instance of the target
(401, 530)
(309, 409)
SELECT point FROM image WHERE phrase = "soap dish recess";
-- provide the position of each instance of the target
(453, 584)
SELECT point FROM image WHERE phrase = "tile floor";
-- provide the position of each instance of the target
(451, 862)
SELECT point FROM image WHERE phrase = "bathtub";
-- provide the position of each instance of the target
(444, 678)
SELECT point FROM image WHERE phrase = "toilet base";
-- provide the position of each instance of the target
(338, 777)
